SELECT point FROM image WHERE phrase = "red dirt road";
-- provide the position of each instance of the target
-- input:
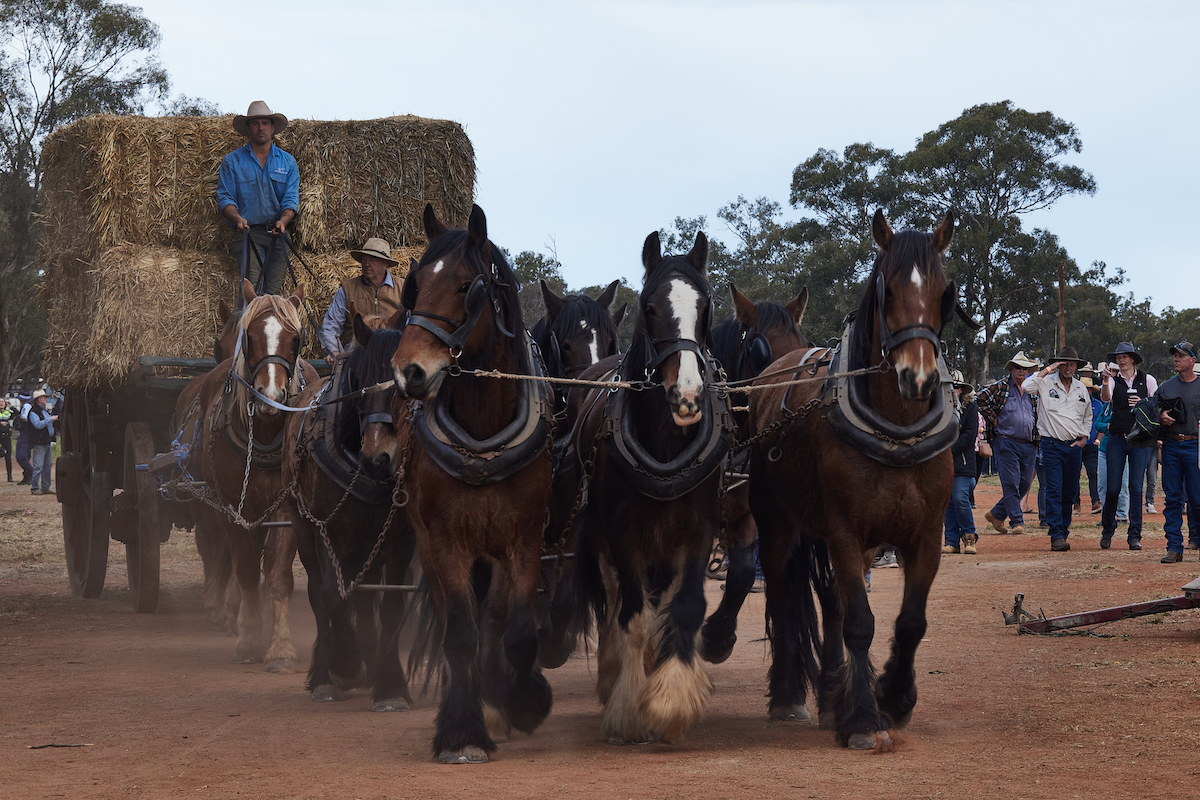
(162, 713)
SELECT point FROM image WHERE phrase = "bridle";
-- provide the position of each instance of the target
(659, 350)
(482, 289)
(889, 340)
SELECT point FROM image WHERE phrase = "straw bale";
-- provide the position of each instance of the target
(152, 181)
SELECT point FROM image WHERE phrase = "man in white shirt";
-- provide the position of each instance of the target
(1064, 422)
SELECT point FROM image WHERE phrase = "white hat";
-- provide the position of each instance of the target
(259, 110)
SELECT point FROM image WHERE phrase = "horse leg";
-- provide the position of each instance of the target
(623, 660)
(278, 558)
(860, 726)
(833, 657)
(246, 548)
(319, 683)
(791, 619)
(527, 696)
(492, 597)
(677, 690)
(390, 684)
(896, 691)
(719, 633)
(461, 735)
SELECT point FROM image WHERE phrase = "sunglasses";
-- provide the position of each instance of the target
(1185, 347)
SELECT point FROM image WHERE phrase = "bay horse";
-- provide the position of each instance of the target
(745, 345)
(236, 448)
(652, 462)
(575, 333)
(844, 467)
(479, 482)
(348, 521)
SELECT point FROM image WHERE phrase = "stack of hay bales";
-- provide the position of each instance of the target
(136, 253)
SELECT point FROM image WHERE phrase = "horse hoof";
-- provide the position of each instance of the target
(869, 741)
(327, 693)
(240, 659)
(468, 755)
(792, 713)
(642, 738)
(284, 666)
(394, 704)
(716, 653)
(827, 721)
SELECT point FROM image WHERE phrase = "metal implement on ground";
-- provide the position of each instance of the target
(1027, 622)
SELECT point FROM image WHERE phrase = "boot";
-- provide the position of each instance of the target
(968, 541)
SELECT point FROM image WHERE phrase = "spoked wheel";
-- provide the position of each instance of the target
(141, 521)
(85, 493)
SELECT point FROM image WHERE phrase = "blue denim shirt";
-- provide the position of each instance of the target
(260, 195)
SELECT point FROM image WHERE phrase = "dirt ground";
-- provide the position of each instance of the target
(100, 702)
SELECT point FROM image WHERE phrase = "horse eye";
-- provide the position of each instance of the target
(650, 312)
(463, 289)
(566, 347)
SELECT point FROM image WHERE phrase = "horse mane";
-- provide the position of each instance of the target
(365, 366)
(908, 247)
(575, 307)
(500, 276)
(727, 335)
(634, 364)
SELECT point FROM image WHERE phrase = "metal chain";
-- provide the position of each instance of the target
(249, 456)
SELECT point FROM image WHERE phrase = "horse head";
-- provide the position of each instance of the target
(367, 423)
(267, 353)
(910, 300)
(766, 331)
(458, 297)
(577, 331)
(674, 320)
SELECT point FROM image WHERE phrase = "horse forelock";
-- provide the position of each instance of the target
(655, 277)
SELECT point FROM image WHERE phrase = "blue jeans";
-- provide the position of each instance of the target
(22, 455)
(1090, 459)
(1118, 453)
(1180, 481)
(1061, 463)
(39, 457)
(959, 519)
(1041, 476)
(1015, 464)
(1102, 483)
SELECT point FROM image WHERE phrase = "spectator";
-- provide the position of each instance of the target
(41, 424)
(372, 292)
(1181, 471)
(23, 439)
(6, 418)
(1011, 417)
(1124, 385)
(1091, 451)
(960, 522)
(1064, 424)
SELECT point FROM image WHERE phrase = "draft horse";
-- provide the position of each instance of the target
(849, 465)
(479, 482)
(745, 345)
(347, 514)
(652, 459)
(236, 441)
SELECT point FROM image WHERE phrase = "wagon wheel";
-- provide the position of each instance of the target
(85, 494)
(143, 529)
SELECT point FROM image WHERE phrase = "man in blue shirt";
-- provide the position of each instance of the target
(258, 192)
(41, 434)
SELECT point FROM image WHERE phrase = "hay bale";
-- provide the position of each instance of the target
(152, 181)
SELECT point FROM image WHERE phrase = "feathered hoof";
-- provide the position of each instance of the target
(792, 713)
(642, 738)
(467, 755)
(243, 658)
(348, 682)
(328, 693)
(880, 741)
(674, 696)
(391, 704)
(716, 652)
(827, 721)
(283, 665)
(497, 726)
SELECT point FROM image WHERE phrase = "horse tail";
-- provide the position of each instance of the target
(591, 597)
(426, 656)
(807, 578)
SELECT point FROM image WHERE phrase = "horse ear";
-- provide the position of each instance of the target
(944, 233)
(223, 311)
(297, 298)
(619, 316)
(798, 305)
(651, 251)
(394, 319)
(608, 295)
(698, 255)
(553, 302)
(477, 230)
(881, 230)
(746, 311)
(413, 263)
(433, 226)
(248, 291)
(362, 333)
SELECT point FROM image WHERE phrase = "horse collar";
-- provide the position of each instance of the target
(857, 424)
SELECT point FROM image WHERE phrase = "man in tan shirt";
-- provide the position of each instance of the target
(372, 292)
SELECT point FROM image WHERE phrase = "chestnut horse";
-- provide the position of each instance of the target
(479, 482)
(652, 462)
(846, 467)
(745, 345)
(342, 456)
(236, 442)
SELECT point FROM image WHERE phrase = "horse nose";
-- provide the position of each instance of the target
(917, 386)
(380, 465)
(683, 405)
(414, 380)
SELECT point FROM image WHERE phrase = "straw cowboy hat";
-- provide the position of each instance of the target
(956, 377)
(377, 248)
(259, 110)
(1087, 382)
(1125, 347)
(1068, 353)
(1021, 361)
(37, 394)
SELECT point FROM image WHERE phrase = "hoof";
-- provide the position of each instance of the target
(793, 713)
(468, 755)
(827, 721)
(862, 741)
(327, 693)
(284, 666)
(394, 704)
(645, 738)
(715, 653)
(241, 659)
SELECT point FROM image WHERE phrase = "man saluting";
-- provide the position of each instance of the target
(258, 192)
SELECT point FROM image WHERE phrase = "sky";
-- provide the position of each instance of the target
(595, 123)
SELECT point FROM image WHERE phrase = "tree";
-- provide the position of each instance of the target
(60, 60)
(530, 268)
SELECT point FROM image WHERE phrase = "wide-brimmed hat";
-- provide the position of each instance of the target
(259, 110)
(956, 377)
(1068, 353)
(1087, 369)
(1125, 347)
(1021, 361)
(375, 247)
(1183, 348)
(1087, 382)
(39, 393)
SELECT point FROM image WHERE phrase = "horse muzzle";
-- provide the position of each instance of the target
(685, 406)
(413, 380)
(917, 386)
